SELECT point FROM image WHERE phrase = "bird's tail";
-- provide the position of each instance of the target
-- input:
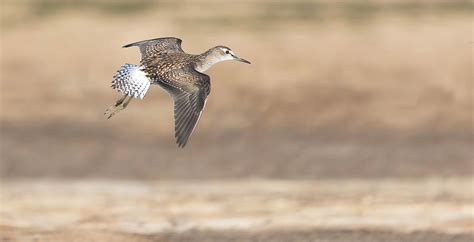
(131, 81)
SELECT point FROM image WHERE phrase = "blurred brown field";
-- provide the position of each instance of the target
(353, 123)
(390, 73)
(388, 83)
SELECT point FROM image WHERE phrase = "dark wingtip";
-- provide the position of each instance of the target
(181, 142)
(128, 45)
(181, 145)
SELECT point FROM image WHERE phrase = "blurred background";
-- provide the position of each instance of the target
(366, 90)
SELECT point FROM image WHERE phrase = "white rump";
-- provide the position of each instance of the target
(132, 81)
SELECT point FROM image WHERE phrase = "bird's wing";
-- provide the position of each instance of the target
(131, 81)
(189, 89)
(153, 47)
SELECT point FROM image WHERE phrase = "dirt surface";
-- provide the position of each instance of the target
(83, 150)
(339, 210)
(13, 234)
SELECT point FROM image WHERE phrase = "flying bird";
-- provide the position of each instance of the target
(163, 62)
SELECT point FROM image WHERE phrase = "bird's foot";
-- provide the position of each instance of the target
(113, 110)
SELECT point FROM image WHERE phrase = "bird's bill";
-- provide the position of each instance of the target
(240, 59)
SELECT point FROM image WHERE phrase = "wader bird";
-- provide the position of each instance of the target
(163, 62)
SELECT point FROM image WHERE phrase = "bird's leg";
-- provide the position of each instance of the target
(120, 101)
(125, 104)
(120, 105)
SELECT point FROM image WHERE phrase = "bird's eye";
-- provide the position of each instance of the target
(227, 52)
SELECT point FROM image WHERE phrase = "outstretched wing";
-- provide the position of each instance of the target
(189, 90)
(153, 47)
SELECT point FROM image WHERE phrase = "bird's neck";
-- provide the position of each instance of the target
(205, 61)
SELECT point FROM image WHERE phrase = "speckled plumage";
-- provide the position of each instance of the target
(163, 62)
(130, 80)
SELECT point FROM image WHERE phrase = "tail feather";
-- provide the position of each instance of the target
(131, 81)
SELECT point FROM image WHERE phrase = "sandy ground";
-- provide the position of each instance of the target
(234, 236)
(340, 210)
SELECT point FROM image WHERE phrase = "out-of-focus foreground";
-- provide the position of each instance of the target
(337, 91)
(252, 210)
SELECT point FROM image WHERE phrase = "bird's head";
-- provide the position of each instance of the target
(223, 53)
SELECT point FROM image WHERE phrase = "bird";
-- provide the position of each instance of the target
(164, 63)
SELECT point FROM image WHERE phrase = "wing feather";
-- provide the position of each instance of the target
(153, 47)
(189, 90)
